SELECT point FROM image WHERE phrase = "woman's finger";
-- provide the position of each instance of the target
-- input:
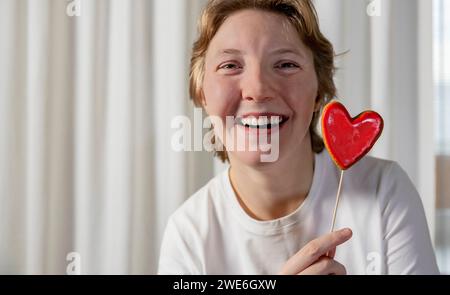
(325, 266)
(312, 251)
(331, 253)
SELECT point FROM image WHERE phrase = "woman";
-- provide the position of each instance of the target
(266, 64)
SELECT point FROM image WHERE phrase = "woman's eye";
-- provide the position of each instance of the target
(229, 66)
(287, 65)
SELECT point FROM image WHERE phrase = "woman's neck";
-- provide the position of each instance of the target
(274, 190)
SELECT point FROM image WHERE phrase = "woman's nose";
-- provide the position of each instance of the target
(256, 86)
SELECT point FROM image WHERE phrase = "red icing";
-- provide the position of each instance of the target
(349, 139)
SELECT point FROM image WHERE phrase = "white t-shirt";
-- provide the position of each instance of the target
(211, 233)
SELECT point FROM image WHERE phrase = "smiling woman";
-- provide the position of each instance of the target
(262, 61)
(298, 16)
(257, 73)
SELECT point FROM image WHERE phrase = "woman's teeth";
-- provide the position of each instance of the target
(261, 122)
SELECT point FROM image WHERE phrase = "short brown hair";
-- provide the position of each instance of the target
(302, 15)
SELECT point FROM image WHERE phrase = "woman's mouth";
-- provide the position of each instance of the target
(262, 121)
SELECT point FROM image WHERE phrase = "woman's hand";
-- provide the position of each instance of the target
(317, 257)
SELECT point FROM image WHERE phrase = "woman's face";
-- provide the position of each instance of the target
(256, 66)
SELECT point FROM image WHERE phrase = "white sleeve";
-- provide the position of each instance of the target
(176, 256)
(407, 239)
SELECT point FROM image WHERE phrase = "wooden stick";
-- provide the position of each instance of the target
(338, 195)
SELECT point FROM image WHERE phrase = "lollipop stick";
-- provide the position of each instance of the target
(338, 195)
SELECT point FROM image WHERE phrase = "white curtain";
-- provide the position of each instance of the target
(85, 108)
(86, 104)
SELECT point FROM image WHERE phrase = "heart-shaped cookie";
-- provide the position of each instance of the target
(349, 139)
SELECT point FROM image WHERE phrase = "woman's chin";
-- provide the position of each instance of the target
(254, 158)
